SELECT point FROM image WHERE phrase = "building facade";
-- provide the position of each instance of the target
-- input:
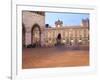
(34, 31)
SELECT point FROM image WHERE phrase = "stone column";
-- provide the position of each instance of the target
(28, 36)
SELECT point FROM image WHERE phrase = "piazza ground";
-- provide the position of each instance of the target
(54, 57)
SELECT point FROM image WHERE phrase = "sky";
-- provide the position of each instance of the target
(67, 18)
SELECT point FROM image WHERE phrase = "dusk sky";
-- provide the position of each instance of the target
(67, 18)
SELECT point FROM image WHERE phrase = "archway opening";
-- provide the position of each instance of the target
(23, 35)
(59, 39)
(36, 36)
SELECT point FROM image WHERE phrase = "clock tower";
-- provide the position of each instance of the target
(58, 23)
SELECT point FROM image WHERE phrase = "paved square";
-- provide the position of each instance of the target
(54, 57)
